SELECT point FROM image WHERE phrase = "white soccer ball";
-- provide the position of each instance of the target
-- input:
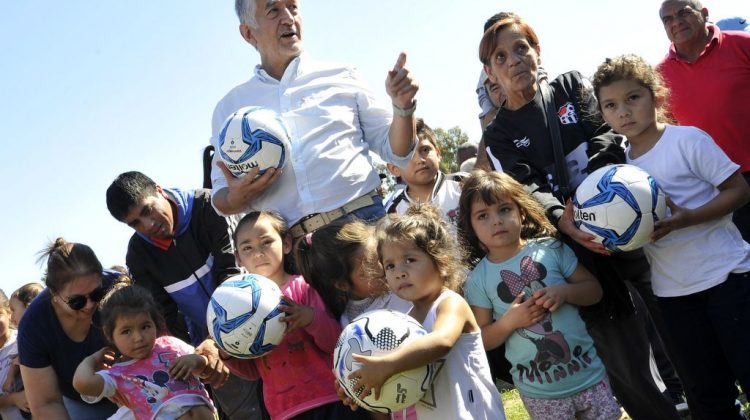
(619, 205)
(254, 137)
(243, 316)
(377, 333)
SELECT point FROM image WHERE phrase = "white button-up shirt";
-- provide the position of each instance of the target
(333, 120)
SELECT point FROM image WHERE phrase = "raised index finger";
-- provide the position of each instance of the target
(400, 62)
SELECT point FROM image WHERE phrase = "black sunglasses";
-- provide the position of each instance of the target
(78, 302)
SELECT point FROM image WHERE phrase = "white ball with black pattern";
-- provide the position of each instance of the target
(377, 333)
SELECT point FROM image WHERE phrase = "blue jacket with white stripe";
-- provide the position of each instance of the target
(183, 276)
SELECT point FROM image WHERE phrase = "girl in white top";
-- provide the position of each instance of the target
(10, 402)
(10, 371)
(422, 265)
(699, 263)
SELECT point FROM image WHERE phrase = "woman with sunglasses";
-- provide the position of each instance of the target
(59, 329)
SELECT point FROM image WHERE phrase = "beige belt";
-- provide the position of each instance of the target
(312, 222)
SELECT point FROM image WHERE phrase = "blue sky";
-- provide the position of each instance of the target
(91, 89)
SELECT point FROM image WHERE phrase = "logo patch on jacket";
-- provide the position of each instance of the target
(567, 114)
(524, 142)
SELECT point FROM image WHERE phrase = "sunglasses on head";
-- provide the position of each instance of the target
(78, 302)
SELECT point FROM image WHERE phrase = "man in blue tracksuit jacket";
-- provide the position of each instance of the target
(181, 251)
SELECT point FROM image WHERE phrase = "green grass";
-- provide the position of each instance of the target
(514, 409)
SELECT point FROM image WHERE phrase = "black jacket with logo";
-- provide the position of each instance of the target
(519, 144)
(519, 141)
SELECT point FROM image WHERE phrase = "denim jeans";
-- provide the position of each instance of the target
(371, 213)
(77, 409)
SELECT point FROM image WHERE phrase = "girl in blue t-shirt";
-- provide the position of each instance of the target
(524, 293)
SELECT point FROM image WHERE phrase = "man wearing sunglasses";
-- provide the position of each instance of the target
(180, 252)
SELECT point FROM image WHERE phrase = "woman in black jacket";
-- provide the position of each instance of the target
(520, 142)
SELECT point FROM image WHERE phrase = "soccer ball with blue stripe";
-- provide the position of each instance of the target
(243, 316)
(377, 333)
(619, 205)
(254, 137)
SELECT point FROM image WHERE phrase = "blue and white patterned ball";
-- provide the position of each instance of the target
(619, 205)
(254, 137)
(243, 316)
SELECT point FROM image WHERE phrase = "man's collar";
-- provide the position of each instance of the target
(181, 202)
(292, 71)
(715, 39)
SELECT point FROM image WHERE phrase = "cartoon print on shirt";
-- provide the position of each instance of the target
(552, 348)
(159, 386)
(155, 389)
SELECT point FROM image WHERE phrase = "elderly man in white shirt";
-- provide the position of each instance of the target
(333, 121)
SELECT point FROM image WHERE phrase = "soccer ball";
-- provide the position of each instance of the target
(377, 333)
(619, 205)
(243, 316)
(254, 137)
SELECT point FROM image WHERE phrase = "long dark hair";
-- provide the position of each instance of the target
(124, 299)
(489, 187)
(326, 259)
(280, 226)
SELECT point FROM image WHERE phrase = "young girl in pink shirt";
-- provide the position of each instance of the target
(297, 377)
(155, 375)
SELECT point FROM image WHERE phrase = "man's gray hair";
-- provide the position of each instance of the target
(694, 4)
(246, 12)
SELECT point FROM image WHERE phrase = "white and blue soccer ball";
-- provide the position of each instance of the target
(254, 137)
(377, 333)
(619, 205)
(243, 316)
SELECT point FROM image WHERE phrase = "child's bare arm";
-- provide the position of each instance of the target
(733, 194)
(581, 288)
(520, 315)
(85, 379)
(453, 315)
(296, 315)
(13, 371)
(185, 366)
(17, 399)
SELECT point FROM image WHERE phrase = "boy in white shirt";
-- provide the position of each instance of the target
(424, 182)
